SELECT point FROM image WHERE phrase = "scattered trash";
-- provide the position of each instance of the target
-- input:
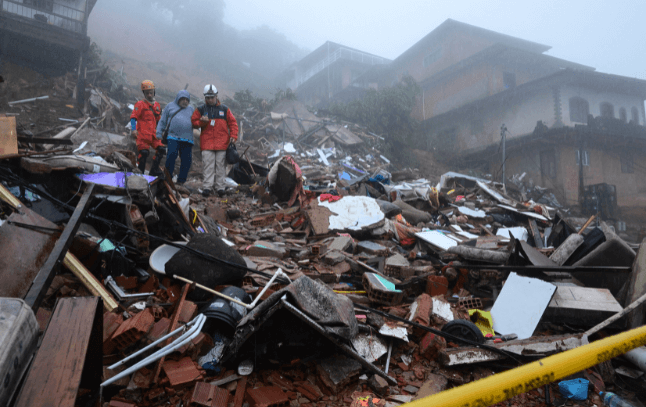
(576, 389)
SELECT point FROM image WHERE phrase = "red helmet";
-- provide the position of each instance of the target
(147, 85)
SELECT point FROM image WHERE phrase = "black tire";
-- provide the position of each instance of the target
(464, 329)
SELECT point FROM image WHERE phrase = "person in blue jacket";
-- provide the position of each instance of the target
(177, 116)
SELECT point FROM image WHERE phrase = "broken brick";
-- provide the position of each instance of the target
(111, 322)
(241, 390)
(188, 311)
(127, 283)
(269, 396)
(277, 379)
(133, 329)
(307, 393)
(181, 372)
(206, 395)
(431, 345)
(421, 310)
(437, 285)
(264, 220)
(159, 330)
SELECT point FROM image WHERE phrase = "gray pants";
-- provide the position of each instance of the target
(214, 168)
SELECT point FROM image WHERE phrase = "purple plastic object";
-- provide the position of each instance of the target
(112, 179)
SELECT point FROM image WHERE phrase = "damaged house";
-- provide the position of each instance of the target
(327, 71)
(47, 35)
(477, 84)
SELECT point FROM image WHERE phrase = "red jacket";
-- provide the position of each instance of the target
(146, 118)
(220, 127)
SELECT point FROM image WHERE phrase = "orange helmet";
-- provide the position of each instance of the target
(147, 85)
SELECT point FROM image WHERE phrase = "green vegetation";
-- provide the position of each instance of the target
(245, 99)
(387, 112)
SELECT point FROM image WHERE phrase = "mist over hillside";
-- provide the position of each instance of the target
(191, 39)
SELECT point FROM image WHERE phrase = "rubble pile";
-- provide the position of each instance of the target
(324, 277)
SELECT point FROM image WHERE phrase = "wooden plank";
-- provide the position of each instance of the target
(173, 200)
(69, 357)
(45, 140)
(8, 134)
(538, 241)
(48, 271)
(23, 251)
(637, 287)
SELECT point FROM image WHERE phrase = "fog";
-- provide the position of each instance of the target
(606, 35)
(246, 44)
(191, 37)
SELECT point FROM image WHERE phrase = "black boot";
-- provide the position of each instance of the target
(155, 171)
(141, 160)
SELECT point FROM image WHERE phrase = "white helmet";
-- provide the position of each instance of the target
(210, 90)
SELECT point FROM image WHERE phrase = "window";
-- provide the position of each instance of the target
(586, 157)
(607, 110)
(509, 80)
(579, 110)
(548, 163)
(622, 115)
(634, 113)
(627, 163)
(44, 5)
(432, 57)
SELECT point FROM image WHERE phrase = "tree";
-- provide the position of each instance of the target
(387, 112)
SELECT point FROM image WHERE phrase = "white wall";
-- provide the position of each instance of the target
(595, 98)
(519, 115)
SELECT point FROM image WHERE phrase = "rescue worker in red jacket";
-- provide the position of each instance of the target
(219, 128)
(143, 122)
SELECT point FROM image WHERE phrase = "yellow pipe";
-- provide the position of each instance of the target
(89, 281)
(349, 292)
(503, 386)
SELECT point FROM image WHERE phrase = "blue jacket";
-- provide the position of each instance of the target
(181, 127)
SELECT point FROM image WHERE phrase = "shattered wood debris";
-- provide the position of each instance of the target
(324, 276)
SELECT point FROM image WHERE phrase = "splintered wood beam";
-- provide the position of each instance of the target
(45, 140)
(47, 272)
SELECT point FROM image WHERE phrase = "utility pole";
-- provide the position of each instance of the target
(328, 71)
(503, 134)
(581, 152)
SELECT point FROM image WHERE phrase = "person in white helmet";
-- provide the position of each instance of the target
(219, 128)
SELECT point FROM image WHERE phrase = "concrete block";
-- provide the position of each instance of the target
(266, 249)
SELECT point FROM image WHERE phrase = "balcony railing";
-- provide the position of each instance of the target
(340, 53)
(49, 12)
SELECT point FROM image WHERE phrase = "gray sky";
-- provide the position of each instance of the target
(609, 36)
